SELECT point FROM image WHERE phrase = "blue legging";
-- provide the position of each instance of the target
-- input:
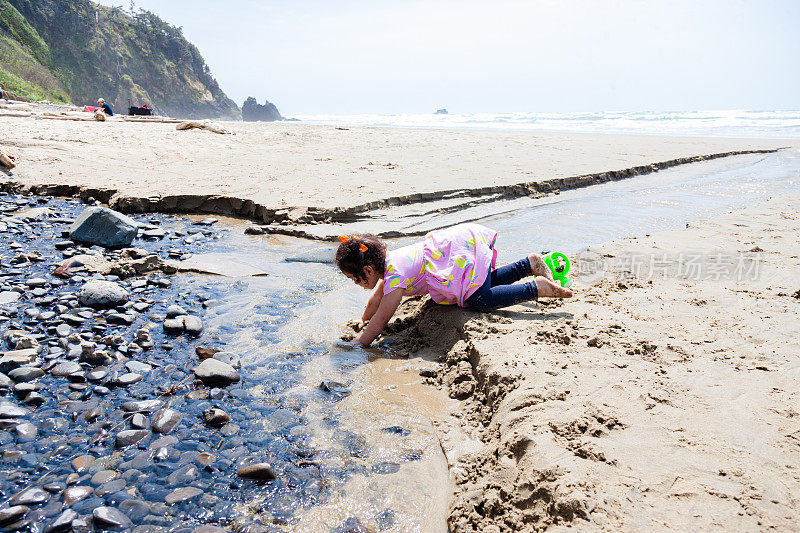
(498, 289)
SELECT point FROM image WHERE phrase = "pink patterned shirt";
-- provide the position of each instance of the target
(449, 264)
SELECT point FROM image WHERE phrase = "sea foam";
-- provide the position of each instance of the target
(732, 123)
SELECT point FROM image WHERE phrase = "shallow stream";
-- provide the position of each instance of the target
(574, 220)
(385, 389)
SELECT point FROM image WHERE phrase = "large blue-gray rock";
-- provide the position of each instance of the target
(104, 227)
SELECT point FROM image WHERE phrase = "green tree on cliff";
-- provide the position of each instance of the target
(76, 50)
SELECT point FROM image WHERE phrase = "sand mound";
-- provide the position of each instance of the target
(650, 401)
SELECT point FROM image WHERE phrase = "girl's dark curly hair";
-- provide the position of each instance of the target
(351, 258)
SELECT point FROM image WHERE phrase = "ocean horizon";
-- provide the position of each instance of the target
(711, 123)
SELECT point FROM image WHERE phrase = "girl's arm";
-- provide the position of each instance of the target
(373, 303)
(385, 310)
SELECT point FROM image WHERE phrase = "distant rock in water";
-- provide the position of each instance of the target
(441, 112)
(253, 112)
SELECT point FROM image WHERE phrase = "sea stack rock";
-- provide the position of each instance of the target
(253, 112)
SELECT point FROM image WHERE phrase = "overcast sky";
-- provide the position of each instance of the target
(408, 56)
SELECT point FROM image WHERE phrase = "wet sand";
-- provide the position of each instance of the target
(388, 393)
(662, 397)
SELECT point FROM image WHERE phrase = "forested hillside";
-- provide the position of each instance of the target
(77, 51)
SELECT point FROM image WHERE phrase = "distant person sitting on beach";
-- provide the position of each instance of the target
(454, 265)
(2, 91)
(105, 107)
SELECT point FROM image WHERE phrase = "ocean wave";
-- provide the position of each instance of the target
(707, 123)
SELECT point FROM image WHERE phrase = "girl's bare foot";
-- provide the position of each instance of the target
(538, 267)
(550, 289)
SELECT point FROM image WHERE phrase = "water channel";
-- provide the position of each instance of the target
(385, 390)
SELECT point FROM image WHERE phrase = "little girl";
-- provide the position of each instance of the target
(454, 266)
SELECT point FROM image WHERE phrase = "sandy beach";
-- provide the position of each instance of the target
(285, 165)
(659, 398)
(663, 396)
(224, 231)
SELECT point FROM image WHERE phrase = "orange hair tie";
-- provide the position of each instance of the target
(344, 239)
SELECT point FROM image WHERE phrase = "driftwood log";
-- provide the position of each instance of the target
(56, 117)
(7, 159)
(183, 126)
(15, 115)
(153, 119)
(80, 116)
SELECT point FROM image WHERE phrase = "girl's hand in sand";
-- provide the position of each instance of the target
(385, 310)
